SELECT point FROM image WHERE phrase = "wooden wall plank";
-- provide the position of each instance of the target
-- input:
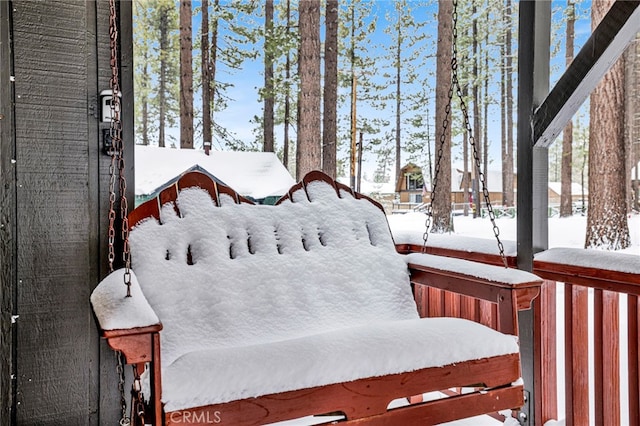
(7, 219)
(58, 189)
(52, 341)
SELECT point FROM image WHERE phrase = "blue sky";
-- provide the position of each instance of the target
(245, 103)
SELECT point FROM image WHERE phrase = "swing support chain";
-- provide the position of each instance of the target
(455, 83)
(443, 135)
(124, 420)
(117, 162)
(117, 157)
(137, 400)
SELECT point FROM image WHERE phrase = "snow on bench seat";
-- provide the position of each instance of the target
(256, 299)
(378, 349)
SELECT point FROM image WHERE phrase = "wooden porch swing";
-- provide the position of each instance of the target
(242, 314)
(357, 338)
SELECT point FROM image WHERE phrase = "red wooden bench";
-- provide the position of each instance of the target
(268, 313)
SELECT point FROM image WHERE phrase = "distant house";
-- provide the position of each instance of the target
(412, 190)
(409, 185)
(259, 176)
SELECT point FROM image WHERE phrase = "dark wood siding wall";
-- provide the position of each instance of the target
(7, 214)
(53, 209)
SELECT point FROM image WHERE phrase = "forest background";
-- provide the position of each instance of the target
(380, 58)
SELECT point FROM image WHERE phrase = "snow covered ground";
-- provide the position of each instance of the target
(563, 232)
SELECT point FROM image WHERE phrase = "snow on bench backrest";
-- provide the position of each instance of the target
(242, 274)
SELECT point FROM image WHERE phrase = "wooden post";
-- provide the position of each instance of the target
(533, 77)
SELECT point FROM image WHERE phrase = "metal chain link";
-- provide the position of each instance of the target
(117, 157)
(117, 160)
(465, 114)
(137, 400)
(124, 420)
(429, 211)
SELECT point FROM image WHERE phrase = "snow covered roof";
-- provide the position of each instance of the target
(252, 174)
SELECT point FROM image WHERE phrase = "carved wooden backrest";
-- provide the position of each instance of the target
(220, 271)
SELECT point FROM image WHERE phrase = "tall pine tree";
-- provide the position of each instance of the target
(607, 225)
(268, 93)
(186, 76)
(442, 180)
(566, 204)
(308, 156)
(330, 98)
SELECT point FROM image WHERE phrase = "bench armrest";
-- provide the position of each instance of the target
(510, 289)
(118, 314)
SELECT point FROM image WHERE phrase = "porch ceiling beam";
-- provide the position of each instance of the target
(605, 45)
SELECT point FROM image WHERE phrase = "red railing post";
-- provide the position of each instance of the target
(607, 358)
(545, 371)
(576, 339)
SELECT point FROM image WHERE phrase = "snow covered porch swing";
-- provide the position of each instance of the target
(243, 314)
(276, 312)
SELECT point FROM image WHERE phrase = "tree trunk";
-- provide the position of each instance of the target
(329, 124)
(632, 121)
(268, 121)
(566, 198)
(398, 94)
(206, 81)
(162, 78)
(287, 96)
(145, 105)
(509, 201)
(354, 94)
(477, 141)
(607, 225)
(308, 156)
(485, 103)
(442, 179)
(213, 60)
(186, 76)
(503, 110)
(465, 160)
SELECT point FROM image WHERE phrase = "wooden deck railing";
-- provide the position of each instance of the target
(610, 277)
